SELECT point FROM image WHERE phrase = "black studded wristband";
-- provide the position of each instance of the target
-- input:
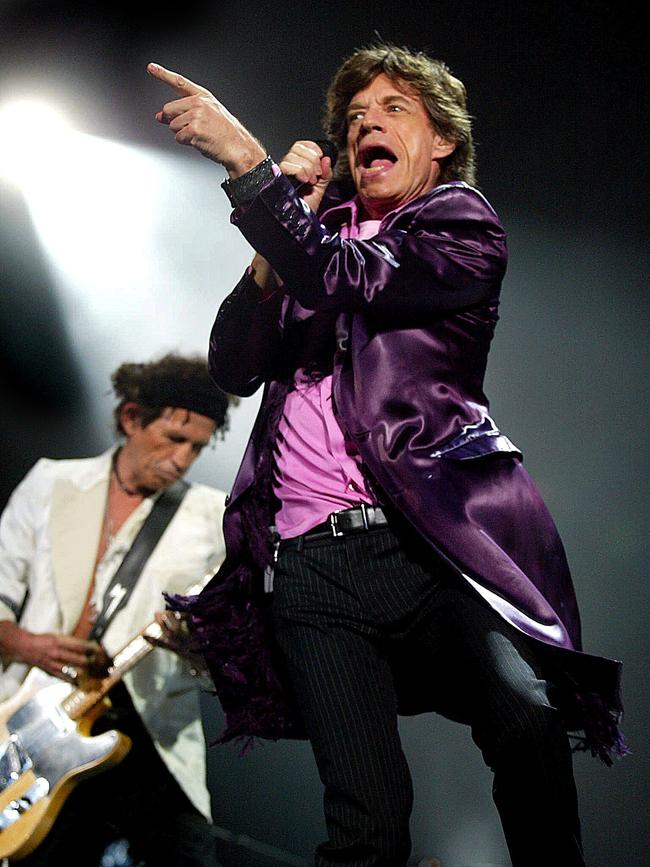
(243, 189)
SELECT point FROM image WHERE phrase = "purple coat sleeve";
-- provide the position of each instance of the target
(445, 251)
(245, 339)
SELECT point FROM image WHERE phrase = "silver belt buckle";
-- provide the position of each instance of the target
(364, 515)
(334, 524)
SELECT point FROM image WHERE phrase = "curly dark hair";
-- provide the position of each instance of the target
(444, 98)
(171, 381)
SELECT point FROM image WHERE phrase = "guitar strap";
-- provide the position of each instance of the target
(126, 577)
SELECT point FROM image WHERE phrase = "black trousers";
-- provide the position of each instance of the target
(345, 610)
(138, 799)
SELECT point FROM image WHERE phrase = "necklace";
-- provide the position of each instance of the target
(119, 481)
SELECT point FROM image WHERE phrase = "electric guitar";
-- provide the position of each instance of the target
(46, 748)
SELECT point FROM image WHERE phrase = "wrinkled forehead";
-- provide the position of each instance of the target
(386, 83)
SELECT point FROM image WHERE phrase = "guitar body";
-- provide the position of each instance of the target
(46, 747)
(44, 753)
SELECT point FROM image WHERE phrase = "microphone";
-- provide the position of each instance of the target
(329, 150)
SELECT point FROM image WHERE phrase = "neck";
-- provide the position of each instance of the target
(368, 211)
(125, 486)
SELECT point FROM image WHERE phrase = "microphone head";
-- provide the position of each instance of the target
(329, 149)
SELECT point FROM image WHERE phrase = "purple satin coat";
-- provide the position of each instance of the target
(415, 309)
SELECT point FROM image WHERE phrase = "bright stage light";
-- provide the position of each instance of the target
(32, 134)
(92, 206)
(138, 248)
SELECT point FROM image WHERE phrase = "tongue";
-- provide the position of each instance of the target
(380, 163)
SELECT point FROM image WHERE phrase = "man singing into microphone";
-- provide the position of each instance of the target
(416, 567)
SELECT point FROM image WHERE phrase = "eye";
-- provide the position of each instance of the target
(356, 115)
(395, 108)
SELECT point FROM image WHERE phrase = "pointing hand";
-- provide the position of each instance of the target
(198, 119)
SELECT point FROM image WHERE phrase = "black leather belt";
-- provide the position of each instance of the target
(343, 523)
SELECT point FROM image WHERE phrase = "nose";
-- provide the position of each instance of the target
(372, 120)
(183, 457)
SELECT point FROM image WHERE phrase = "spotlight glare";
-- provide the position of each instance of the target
(32, 134)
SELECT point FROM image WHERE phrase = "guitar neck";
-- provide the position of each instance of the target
(82, 700)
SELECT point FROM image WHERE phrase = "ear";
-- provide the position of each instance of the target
(131, 418)
(441, 147)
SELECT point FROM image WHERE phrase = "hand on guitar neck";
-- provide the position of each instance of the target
(62, 656)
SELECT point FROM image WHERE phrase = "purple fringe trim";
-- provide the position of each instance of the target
(232, 633)
(602, 736)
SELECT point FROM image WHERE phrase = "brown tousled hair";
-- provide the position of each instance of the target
(442, 94)
(171, 381)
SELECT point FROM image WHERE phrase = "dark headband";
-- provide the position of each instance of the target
(196, 394)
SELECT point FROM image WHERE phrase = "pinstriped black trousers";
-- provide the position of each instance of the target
(344, 610)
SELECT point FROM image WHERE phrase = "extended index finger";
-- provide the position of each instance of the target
(183, 86)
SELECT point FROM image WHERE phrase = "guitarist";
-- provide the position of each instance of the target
(65, 605)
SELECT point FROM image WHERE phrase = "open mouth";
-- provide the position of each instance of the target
(374, 158)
